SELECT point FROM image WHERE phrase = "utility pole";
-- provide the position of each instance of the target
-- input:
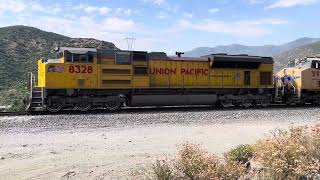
(130, 42)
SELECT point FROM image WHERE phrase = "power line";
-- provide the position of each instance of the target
(130, 42)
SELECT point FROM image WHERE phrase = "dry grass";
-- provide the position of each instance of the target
(193, 162)
(292, 154)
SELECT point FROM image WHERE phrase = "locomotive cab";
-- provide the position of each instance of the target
(301, 81)
(72, 68)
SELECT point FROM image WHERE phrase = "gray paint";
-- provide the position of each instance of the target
(167, 100)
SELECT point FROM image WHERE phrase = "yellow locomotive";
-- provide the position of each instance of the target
(299, 82)
(84, 78)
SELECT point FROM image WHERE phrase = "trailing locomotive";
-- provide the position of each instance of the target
(299, 82)
(85, 78)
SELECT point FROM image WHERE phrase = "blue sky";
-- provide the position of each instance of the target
(170, 25)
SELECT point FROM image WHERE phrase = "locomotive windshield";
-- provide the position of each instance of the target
(78, 58)
(305, 63)
(76, 55)
(315, 64)
(302, 64)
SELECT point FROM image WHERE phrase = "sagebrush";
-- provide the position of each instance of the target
(286, 154)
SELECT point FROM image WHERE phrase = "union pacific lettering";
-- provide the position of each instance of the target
(182, 71)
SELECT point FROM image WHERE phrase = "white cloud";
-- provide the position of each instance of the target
(14, 6)
(256, 1)
(103, 10)
(22, 6)
(290, 3)
(56, 10)
(118, 25)
(162, 15)
(188, 15)
(122, 11)
(253, 28)
(36, 7)
(213, 10)
(82, 26)
(266, 21)
(90, 9)
(156, 2)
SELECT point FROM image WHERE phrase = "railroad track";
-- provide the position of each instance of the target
(152, 110)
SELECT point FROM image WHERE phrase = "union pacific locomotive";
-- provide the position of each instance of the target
(86, 78)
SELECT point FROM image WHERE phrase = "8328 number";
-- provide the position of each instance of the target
(80, 69)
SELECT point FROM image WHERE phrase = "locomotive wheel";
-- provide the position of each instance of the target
(113, 103)
(54, 104)
(265, 102)
(83, 106)
(226, 103)
(246, 103)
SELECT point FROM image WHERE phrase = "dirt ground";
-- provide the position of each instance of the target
(115, 145)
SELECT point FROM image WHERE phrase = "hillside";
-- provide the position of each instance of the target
(266, 50)
(21, 46)
(308, 50)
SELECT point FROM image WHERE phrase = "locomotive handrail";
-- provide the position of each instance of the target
(31, 80)
(294, 88)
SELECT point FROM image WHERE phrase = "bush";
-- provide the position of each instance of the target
(196, 163)
(163, 170)
(192, 162)
(241, 154)
(292, 154)
(13, 98)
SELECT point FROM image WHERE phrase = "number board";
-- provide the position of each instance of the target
(80, 69)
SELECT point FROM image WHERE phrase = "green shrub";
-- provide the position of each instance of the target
(13, 98)
(241, 154)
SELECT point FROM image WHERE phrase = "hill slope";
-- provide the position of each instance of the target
(266, 50)
(308, 50)
(21, 46)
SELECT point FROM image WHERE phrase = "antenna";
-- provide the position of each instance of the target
(130, 41)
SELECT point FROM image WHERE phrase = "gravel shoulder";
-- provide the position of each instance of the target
(111, 146)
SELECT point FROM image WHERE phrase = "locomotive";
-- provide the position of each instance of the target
(87, 78)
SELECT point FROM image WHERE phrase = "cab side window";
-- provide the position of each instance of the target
(83, 58)
(68, 56)
(90, 58)
(79, 58)
(315, 64)
(76, 58)
(139, 56)
(123, 58)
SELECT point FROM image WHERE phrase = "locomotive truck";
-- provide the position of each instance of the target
(86, 78)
